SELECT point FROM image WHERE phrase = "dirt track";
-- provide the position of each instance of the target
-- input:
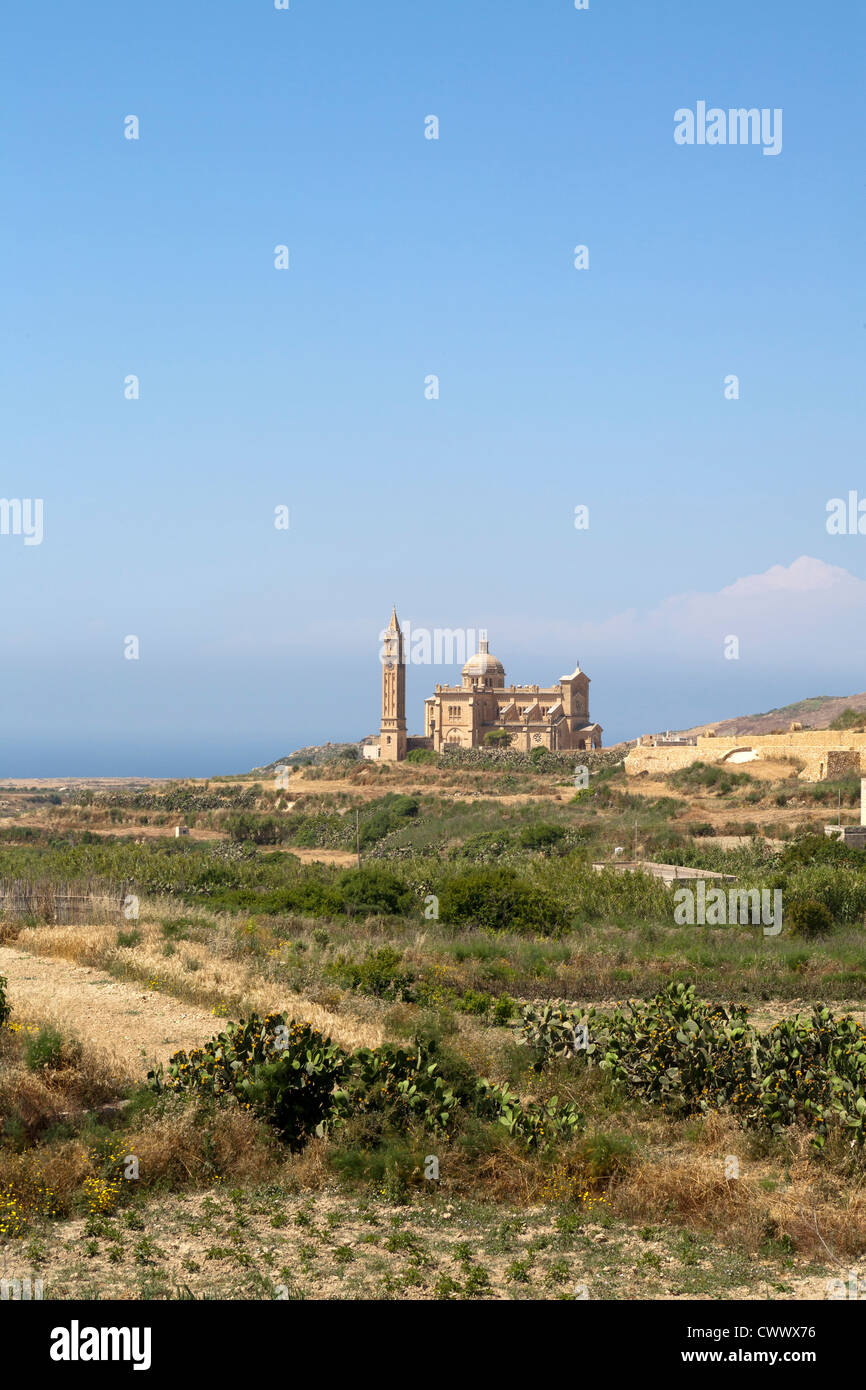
(125, 1020)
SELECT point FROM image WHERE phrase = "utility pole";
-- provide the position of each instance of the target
(635, 842)
(357, 837)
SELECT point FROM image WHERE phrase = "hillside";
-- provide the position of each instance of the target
(315, 754)
(817, 712)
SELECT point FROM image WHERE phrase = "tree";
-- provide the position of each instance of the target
(497, 738)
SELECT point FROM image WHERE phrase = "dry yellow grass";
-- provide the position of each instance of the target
(822, 1213)
(235, 982)
(174, 1148)
(44, 1182)
(83, 1078)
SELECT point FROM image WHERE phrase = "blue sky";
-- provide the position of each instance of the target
(408, 256)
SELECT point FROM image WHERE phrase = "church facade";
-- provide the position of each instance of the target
(462, 716)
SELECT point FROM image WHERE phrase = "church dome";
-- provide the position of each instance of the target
(483, 664)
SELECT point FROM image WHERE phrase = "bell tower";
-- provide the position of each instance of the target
(392, 734)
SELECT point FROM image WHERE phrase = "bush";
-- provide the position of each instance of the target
(379, 974)
(498, 1009)
(849, 719)
(497, 738)
(302, 1083)
(809, 917)
(602, 1156)
(422, 755)
(504, 1009)
(178, 928)
(541, 836)
(285, 1072)
(497, 900)
(261, 830)
(713, 776)
(690, 1057)
(374, 889)
(399, 1086)
(821, 849)
(5, 1007)
(486, 846)
(383, 816)
(350, 753)
(44, 1049)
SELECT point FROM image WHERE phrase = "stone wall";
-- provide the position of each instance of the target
(658, 762)
(824, 753)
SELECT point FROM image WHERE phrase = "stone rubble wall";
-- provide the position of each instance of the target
(824, 754)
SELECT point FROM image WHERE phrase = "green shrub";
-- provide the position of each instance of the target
(178, 928)
(602, 1156)
(44, 1049)
(422, 755)
(374, 889)
(821, 849)
(496, 899)
(688, 1056)
(538, 1123)
(497, 738)
(474, 1001)
(808, 917)
(304, 1084)
(548, 1031)
(379, 974)
(504, 1009)
(813, 1070)
(261, 830)
(713, 776)
(541, 836)
(285, 1071)
(399, 1085)
(849, 719)
(386, 815)
(486, 846)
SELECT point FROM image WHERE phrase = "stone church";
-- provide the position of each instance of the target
(460, 716)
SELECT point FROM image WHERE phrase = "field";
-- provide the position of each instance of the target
(430, 1082)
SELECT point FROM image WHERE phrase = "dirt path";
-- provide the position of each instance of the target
(341, 858)
(123, 1019)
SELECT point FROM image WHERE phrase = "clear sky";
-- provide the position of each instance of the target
(408, 256)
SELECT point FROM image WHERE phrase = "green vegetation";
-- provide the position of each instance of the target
(302, 1083)
(685, 1055)
(849, 719)
(497, 899)
(44, 1050)
(431, 1005)
(714, 776)
(380, 974)
(808, 917)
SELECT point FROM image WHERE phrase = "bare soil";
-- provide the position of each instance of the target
(136, 1026)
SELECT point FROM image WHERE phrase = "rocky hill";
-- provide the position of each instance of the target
(316, 753)
(818, 712)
